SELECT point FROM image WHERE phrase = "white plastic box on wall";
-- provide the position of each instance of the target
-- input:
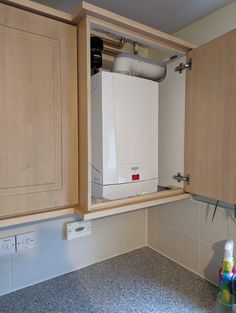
(124, 135)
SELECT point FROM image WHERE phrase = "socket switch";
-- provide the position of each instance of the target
(7, 245)
(25, 241)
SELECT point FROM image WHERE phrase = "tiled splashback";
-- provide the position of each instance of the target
(185, 233)
(54, 256)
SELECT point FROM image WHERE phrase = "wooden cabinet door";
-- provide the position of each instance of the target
(210, 141)
(38, 113)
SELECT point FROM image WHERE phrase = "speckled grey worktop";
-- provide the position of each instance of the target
(141, 281)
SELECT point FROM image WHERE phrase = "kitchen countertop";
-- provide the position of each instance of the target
(140, 281)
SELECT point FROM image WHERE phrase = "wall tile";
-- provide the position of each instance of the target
(182, 248)
(5, 274)
(139, 214)
(152, 214)
(135, 233)
(219, 229)
(184, 232)
(210, 260)
(54, 256)
(151, 234)
(181, 215)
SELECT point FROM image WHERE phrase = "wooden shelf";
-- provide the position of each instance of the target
(137, 199)
(106, 209)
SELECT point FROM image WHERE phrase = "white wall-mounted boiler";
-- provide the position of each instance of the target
(124, 122)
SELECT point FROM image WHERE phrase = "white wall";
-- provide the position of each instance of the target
(211, 26)
(183, 231)
(54, 256)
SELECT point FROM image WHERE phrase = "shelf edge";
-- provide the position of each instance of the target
(35, 217)
(128, 208)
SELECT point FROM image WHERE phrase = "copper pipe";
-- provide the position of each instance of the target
(112, 43)
(117, 44)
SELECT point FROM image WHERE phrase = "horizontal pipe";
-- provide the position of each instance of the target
(119, 44)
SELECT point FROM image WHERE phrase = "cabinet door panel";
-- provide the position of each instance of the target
(30, 113)
(38, 113)
(210, 150)
(171, 125)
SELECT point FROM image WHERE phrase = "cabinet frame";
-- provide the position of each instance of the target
(87, 21)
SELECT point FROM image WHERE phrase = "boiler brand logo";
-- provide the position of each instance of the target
(135, 168)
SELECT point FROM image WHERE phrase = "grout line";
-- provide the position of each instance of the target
(123, 233)
(74, 270)
(147, 226)
(10, 272)
(187, 268)
(168, 257)
(199, 238)
(11, 228)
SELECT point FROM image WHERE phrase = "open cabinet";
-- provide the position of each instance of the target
(171, 112)
(196, 147)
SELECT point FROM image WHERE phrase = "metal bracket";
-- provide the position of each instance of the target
(182, 66)
(180, 178)
(136, 47)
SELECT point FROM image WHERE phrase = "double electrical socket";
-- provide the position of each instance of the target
(25, 241)
(17, 243)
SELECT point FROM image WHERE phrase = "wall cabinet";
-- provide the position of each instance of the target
(210, 150)
(170, 125)
(199, 143)
(38, 113)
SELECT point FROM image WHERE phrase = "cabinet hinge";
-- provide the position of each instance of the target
(182, 66)
(180, 178)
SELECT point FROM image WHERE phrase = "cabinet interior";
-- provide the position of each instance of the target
(171, 108)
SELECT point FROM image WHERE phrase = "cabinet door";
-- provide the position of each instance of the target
(210, 144)
(38, 113)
